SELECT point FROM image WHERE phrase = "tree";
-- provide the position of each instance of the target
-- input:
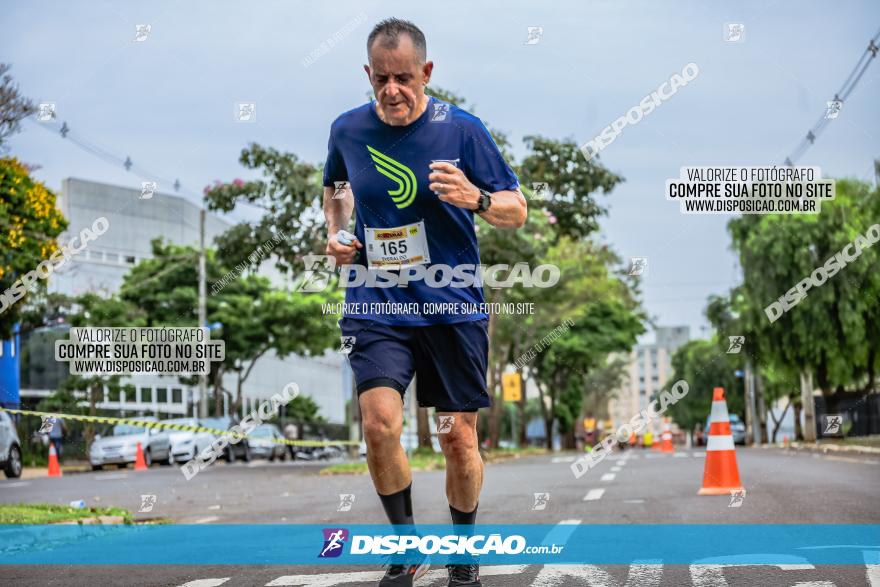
(704, 366)
(255, 317)
(835, 331)
(13, 106)
(93, 310)
(29, 225)
(606, 319)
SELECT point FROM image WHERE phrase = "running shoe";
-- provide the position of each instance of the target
(403, 575)
(464, 575)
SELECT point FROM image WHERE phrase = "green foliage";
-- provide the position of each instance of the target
(29, 224)
(704, 366)
(304, 409)
(835, 330)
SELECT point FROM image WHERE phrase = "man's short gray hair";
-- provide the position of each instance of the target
(388, 32)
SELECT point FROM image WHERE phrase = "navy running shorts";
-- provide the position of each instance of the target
(450, 361)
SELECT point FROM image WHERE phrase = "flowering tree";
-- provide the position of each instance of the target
(29, 225)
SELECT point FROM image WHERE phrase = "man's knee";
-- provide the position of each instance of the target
(381, 428)
(459, 442)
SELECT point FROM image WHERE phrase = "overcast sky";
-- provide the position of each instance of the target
(168, 102)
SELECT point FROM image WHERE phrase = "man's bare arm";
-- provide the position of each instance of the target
(508, 209)
(337, 213)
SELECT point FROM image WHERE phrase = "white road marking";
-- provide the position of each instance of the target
(253, 464)
(594, 494)
(110, 476)
(207, 520)
(206, 582)
(213, 507)
(615, 469)
(647, 575)
(633, 501)
(608, 477)
(560, 532)
(15, 484)
(712, 575)
(700, 455)
(873, 575)
(333, 579)
(679, 455)
(562, 460)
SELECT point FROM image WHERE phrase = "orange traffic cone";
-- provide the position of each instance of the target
(54, 467)
(139, 463)
(721, 475)
(666, 445)
(657, 442)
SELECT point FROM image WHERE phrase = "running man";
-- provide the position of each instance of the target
(414, 214)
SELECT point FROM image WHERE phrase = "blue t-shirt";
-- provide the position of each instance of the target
(387, 169)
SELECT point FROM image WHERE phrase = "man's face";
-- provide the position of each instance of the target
(398, 80)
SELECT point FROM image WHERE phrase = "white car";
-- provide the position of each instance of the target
(186, 444)
(10, 447)
(118, 446)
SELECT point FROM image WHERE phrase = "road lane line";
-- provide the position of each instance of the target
(615, 469)
(560, 532)
(206, 582)
(110, 476)
(608, 477)
(594, 494)
(680, 455)
(15, 484)
(333, 579)
(207, 520)
(562, 460)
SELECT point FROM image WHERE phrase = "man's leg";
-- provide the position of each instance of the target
(382, 413)
(464, 466)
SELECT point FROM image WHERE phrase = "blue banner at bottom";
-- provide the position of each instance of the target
(604, 544)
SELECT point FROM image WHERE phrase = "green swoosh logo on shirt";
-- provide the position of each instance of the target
(399, 173)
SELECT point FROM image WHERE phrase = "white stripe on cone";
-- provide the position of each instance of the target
(724, 442)
(719, 412)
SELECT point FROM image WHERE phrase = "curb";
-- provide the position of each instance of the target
(826, 448)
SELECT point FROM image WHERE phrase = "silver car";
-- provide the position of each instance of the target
(263, 442)
(186, 444)
(118, 446)
(10, 447)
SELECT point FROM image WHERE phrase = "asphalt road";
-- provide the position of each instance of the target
(637, 487)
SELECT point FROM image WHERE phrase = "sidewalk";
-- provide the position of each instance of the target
(72, 467)
(869, 446)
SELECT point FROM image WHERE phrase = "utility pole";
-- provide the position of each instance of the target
(752, 428)
(203, 292)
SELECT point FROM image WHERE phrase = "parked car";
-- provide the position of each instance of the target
(264, 444)
(240, 449)
(186, 444)
(737, 429)
(10, 447)
(117, 445)
(319, 453)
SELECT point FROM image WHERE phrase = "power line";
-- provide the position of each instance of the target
(839, 98)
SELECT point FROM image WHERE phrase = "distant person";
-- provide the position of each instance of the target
(58, 431)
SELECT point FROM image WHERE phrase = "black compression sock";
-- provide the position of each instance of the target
(460, 518)
(398, 506)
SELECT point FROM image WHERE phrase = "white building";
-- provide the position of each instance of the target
(650, 367)
(133, 222)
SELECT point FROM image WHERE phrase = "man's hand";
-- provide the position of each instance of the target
(452, 187)
(343, 254)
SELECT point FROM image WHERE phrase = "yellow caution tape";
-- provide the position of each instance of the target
(173, 426)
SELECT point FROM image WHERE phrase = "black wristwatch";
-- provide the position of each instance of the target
(485, 201)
